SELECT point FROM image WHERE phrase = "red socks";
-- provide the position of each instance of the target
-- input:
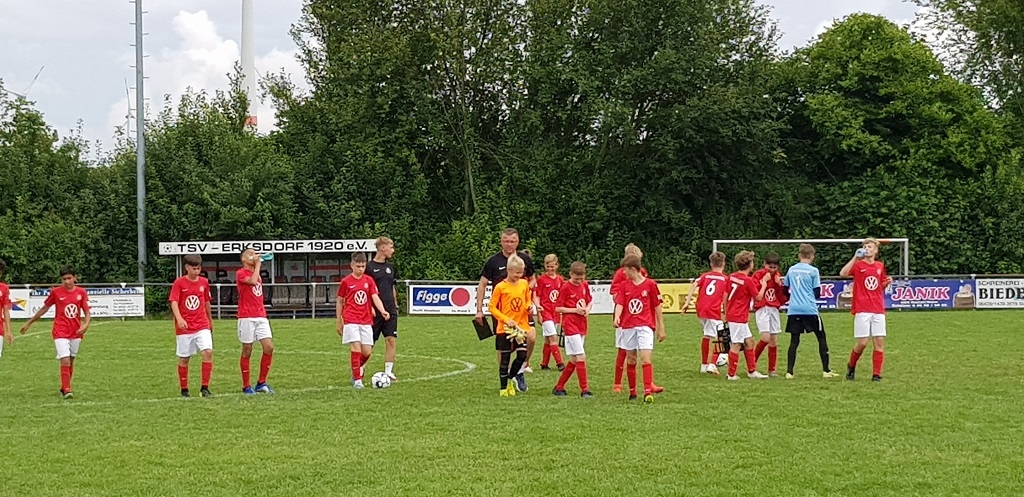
(243, 363)
(773, 357)
(705, 347)
(365, 359)
(183, 376)
(566, 374)
(734, 359)
(854, 357)
(265, 367)
(356, 360)
(556, 352)
(631, 376)
(581, 374)
(546, 355)
(620, 361)
(207, 370)
(648, 378)
(65, 378)
(759, 349)
(877, 358)
(751, 361)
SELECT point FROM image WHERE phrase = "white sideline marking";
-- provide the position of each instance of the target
(467, 368)
(47, 332)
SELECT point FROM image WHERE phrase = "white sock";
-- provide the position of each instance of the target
(388, 366)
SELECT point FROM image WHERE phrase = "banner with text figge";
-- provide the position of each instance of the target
(1000, 293)
(110, 302)
(461, 299)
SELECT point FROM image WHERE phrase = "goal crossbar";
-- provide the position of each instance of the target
(903, 242)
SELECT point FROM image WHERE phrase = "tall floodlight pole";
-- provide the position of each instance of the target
(140, 144)
(249, 62)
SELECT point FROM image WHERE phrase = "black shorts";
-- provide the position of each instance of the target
(387, 328)
(804, 324)
(501, 341)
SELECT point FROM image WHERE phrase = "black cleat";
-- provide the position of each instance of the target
(632, 396)
(545, 368)
(586, 394)
(184, 393)
(205, 392)
(851, 373)
(559, 393)
(561, 367)
(66, 395)
(876, 377)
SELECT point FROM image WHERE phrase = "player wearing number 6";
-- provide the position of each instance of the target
(712, 286)
(193, 322)
(72, 305)
(869, 283)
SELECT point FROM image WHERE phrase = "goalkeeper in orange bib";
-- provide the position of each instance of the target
(511, 303)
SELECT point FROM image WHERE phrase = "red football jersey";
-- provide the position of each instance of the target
(578, 297)
(638, 303)
(69, 306)
(774, 296)
(192, 297)
(868, 287)
(357, 293)
(5, 301)
(711, 289)
(547, 290)
(619, 278)
(742, 289)
(250, 297)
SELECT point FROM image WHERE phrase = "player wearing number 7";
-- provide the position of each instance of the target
(869, 283)
(193, 323)
(743, 290)
(72, 305)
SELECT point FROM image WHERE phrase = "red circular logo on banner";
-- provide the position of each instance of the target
(459, 297)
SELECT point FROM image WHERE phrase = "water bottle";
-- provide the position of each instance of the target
(269, 256)
(861, 253)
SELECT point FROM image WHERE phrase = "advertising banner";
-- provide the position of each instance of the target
(113, 302)
(1002, 293)
(904, 294)
(19, 304)
(673, 296)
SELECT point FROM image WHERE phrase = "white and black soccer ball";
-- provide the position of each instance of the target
(723, 360)
(380, 380)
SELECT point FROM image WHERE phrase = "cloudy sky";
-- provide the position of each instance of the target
(83, 48)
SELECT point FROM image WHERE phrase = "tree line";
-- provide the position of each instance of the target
(585, 125)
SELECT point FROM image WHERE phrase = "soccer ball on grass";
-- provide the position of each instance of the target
(723, 359)
(380, 380)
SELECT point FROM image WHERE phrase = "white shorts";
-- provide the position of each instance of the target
(710, 327)
(549, 328)
(67, 347)
(619, 343)
(362, 333)
(574, 345)
(1, 346)
(768, 320)
(193, 343)
(253, 330)
(641, 338)
(866, 325)
(738, 332)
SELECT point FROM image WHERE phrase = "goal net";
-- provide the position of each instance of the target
(832, 253)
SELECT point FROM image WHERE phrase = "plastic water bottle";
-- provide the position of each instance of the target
(862, 252)
(269, 256)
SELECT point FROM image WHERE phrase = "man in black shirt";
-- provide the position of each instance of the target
(386, 278)
(495, 270)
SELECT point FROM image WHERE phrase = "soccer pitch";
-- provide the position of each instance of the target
(945, 421)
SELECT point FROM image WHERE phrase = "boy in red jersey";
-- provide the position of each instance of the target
(620, 359)
(870, 281)
(545, 297)
(357, 296)
(638, 313)
(72, 305)
(193, 323)
(766, 311)
(574, 304)
(5, 311)
(712, 286)
(252, 321)
(742, 290)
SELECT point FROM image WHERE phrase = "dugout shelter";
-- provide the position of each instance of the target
(301, 280)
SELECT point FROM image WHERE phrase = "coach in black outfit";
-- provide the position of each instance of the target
(495, 271)
(386, 278)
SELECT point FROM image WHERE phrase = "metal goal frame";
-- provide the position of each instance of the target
(903, 242)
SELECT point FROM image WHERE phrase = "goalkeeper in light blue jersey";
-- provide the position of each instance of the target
(803, 284)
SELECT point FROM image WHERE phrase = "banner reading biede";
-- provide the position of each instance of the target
(1001, 293)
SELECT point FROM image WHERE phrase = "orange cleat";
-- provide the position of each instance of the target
(657, 389)
(616, 388)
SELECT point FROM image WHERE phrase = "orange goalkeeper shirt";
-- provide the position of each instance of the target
(511, 302)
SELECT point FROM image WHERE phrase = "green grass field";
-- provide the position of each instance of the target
(946, 420)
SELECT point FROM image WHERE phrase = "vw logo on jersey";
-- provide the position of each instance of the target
(553, 296)
(192, 302)
(636, 306)
(770, 294)
(871, 283)
(517, 304)
(257, 290)
(71, 311)
(360, 297)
